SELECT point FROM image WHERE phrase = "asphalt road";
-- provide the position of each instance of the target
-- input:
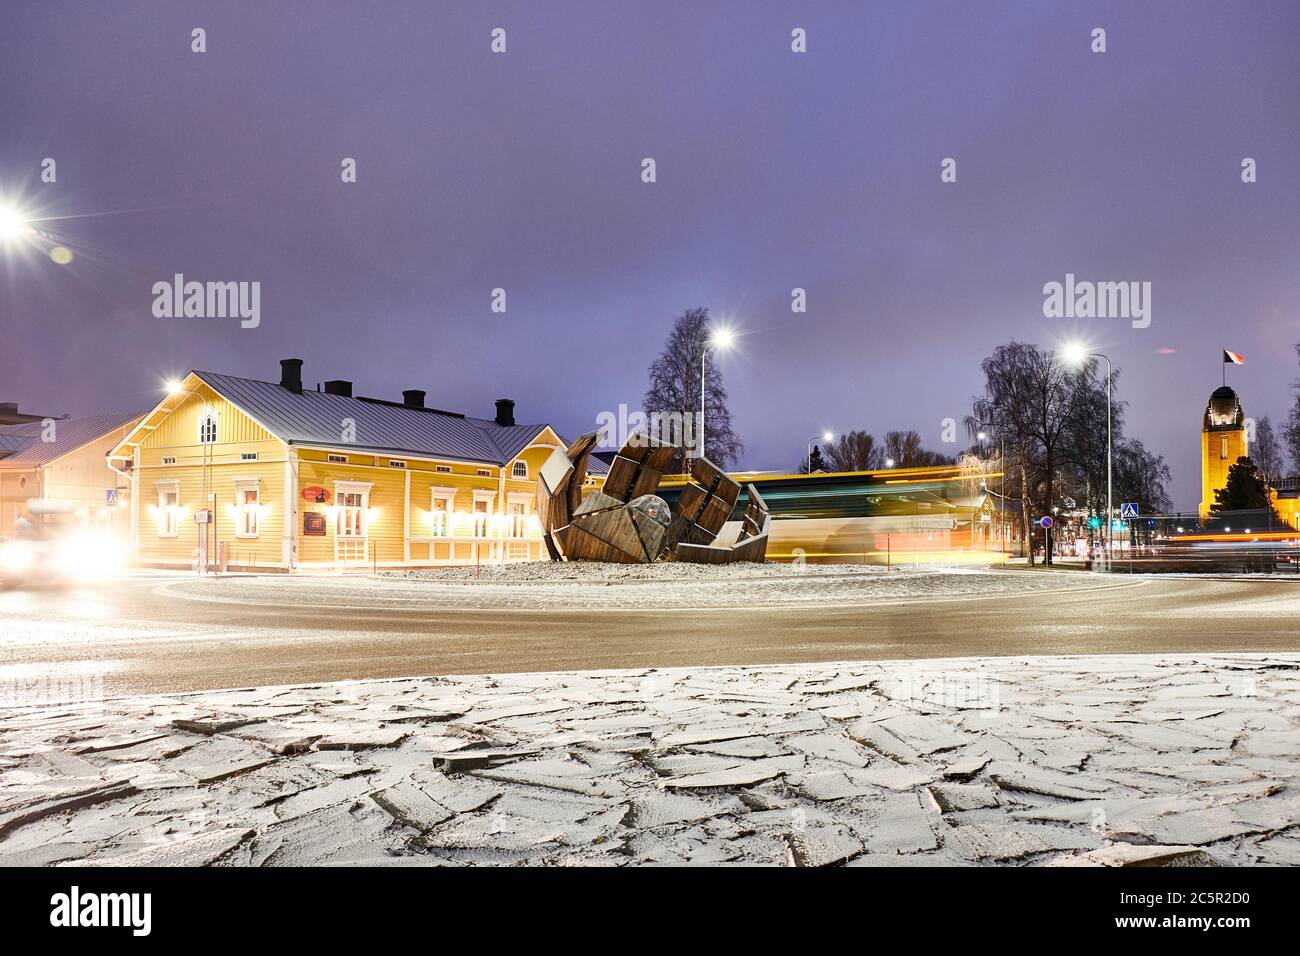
(140, 635)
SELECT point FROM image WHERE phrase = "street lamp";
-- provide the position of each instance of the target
(176, 387)
(1076, 353)
(980, 436)
(889, 463)
(14, 223)
(721, 340)
(823, 437)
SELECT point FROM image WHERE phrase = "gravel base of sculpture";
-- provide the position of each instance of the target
(626, 522)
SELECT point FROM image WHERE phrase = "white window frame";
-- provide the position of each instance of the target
(490, 498)
(483, 473)
(434, 495)
(336, 459)
(518, 529)
(361, 488)
(514, 470)
(442, 469)
(168, 522)
(241, 507)
(396, 463)
(248, 456)
(209, 415)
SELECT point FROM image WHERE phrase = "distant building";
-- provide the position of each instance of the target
(9, 415)
(274, 476)
(1223, 441)
(62, 460)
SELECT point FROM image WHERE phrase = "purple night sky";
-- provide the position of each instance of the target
(775, 170)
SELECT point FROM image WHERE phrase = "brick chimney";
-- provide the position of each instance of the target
(339, 386)
(291, 374)
(413, 397)
(505, 412)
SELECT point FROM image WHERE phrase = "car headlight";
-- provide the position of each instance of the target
(16, 557)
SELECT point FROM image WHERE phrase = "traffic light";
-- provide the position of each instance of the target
(1094, 522)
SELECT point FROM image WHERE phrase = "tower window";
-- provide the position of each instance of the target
(1223, 449)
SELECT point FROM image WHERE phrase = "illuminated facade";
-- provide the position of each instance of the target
(1223, 440)
(261, 475)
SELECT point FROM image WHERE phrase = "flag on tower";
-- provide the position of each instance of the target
(1232, 357)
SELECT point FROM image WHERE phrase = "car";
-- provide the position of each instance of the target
(48, 546)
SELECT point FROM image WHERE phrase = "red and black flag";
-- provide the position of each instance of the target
(1232, 357)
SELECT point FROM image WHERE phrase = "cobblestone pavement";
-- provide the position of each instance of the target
(1104, 760)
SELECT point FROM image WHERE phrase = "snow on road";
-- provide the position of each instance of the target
(1102, 760)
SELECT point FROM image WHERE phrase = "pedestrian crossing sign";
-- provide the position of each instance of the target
(1128, 509)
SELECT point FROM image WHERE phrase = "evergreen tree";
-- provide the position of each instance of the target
(814, 462)
(1244, 490)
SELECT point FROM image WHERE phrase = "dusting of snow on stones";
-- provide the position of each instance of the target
(1077, 761)
(542, 585)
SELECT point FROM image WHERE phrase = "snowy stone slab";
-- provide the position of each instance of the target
(1075, 761)
(1124, 854)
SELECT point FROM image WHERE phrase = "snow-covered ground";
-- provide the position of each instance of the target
(546, 585)
(1063, 760)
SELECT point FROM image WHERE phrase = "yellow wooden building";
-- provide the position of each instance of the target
(242, 473)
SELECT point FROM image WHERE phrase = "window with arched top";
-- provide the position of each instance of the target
(208, 428)
(519, 469)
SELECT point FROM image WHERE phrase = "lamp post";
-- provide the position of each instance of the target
(720, 341)
(1077, 354)
(1002, 480)
(176, 388)
(824, 437)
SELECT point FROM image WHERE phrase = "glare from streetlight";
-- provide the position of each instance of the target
(827, 436)
(1075, 353)
(982, 435)
(173, 386)
(889, 463)
(722, 339)
(13, 223)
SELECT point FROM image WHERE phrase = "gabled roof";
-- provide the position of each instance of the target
(29, 451)
(319, 418)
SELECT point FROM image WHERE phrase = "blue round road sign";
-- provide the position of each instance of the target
(1045, 521)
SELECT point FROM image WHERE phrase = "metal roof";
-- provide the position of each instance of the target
(319, 418)
(29, 451)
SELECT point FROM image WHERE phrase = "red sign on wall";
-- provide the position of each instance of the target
(315, 493)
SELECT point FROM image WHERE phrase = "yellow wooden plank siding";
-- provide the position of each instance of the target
(171, 452)
(430, 540)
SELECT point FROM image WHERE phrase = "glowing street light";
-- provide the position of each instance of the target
(721, 340)
(889, 463)
(825, 437)
(13, 223)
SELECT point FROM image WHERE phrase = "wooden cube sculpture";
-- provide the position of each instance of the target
(751, 539)
(704, 505)
(624, 522)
